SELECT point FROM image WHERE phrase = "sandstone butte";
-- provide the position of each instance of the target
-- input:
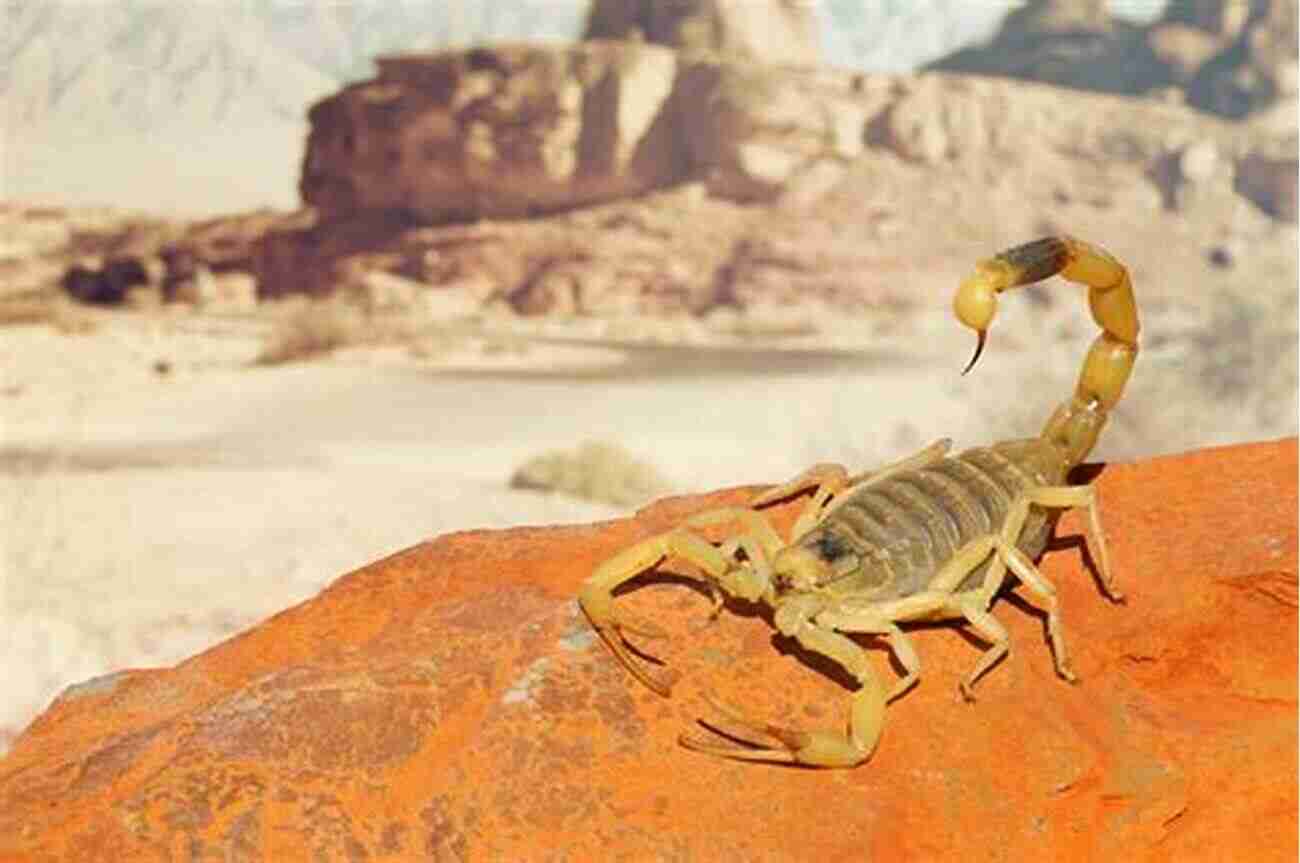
(448, 703)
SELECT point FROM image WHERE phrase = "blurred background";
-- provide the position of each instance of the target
(288, 286)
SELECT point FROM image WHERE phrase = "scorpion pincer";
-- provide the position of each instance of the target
(930, 537)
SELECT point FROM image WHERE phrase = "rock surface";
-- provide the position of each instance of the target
(449, 703)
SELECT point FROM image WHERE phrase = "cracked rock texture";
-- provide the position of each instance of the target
(449, 703)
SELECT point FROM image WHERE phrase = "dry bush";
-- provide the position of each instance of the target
(314, 328)
(310, 328)
(602, 472)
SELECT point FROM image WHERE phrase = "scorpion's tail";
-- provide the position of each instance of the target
(1075, 425)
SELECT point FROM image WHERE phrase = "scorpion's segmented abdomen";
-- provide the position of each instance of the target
(904, 529)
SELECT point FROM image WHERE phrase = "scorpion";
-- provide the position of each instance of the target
(930, 537)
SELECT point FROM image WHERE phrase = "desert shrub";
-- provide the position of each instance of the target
(311, 329)
(603, 472)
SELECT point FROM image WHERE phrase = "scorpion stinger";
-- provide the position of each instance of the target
(980, 338)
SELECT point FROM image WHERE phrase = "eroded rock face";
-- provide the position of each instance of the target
(495, 131)
(449, 702)
(509, 131)
(751, 130)
(781, 32)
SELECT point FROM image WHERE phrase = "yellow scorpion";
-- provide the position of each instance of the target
(929, 537)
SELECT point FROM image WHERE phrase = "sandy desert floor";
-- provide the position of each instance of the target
(150, 515)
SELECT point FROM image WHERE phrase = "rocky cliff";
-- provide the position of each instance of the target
(514, 130)
(505, 132)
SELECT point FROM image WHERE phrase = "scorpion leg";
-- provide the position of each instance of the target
(1085, 496)
(970, 606)
(826, 478)
(1009, 556)
(1069, 497)
(878, 621)
(762, 741)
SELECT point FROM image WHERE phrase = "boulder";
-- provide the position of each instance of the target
(451, 703)
(937, 120)
(504, 130)
(1194, 174)
(108, 284)
(780, 32)
(1270, 181)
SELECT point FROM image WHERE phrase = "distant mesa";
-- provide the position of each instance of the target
(1226, 57)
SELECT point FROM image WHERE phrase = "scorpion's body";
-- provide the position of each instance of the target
(930, 537)
(888, 540)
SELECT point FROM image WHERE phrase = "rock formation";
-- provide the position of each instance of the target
(449, 703)
(1229, 57)
(506, 130)
(509, 131)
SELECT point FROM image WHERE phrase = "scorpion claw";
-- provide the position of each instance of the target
(635, 666)
(638, 626)
(611, 623)
(750, 740)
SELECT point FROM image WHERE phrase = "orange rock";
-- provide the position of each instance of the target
(450, 703)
